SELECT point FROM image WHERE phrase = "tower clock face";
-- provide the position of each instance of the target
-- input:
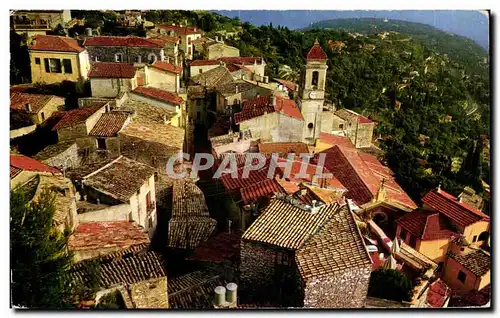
(313, 95)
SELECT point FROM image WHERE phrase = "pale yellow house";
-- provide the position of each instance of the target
(164, 75)
(57, 58)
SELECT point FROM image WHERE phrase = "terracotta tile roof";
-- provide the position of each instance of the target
(54, 150)
(254, 176)
(222, 247)
(426, 225)
(119, 179)
(316, 53)
(231, 88)
(335, 140)
(438, 293)
(100, 235)
(257, 106)
(130, 41)
(196, 92)
(286, 225)
(194, 290)
(460, 213)
(111, 70)
(265, 188)
(478, 261)
(337, 246)
(214, 77)
(127, 266)
(349, 115)
(242, 60)
(204, 62)
(20, 163)
(290, 85)
(79, 115)
(327, 195)
(166, 38)
(190, 224)
(284, 148)
(181, 30)
(147, 113)
(164, 66)
(55, 43)
(236, 67)
(109, 124)
(18, 101)
(159, 94)
(473, 298)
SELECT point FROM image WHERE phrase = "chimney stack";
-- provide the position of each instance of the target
(220, 295)
(303, 191)
(231, 295)
(313, 203)
(273, 100)
(460, 199)
(33, 42)
(439, 188)
(28, 107)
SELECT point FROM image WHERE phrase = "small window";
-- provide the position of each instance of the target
(462, 249)
(461, 276)
(282, 259)
(151, 58)
(413, 241)
(315, 78)
(201, 71)
(150, 222)
(43, 116)
(118, 57)
(189, 40)
(484, 236)
(37, 60)
(52, 65)
(67, 66)
(310, 125)
(474, 239)
(101, 143)
(341, 126)
(189, 50)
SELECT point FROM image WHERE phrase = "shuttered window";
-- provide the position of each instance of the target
(67, 66)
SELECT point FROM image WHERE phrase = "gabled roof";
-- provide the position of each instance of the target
(159, 94)
(181, 30)
(55, 149)
(264, 188)
(204, 62)
(109, 124)
(214, 77)
(478, 261)
(337, 246)
(130, 41)
(458, 212)
(316, 52)
(254, 176)
(236, 67)
(286, 225)
(112, 70)
(259, 105)
(79, 115)
(426, 225)
(194, 290)
(164, 66)
(347, 114)
(102, 235)
(334, 140)
(20, 163)
(55, 43)
(19, 100)
(120, 178)
(290, 85)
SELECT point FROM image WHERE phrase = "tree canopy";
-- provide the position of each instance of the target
(390, 284)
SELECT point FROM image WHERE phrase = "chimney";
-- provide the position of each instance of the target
(313, 203)
(195, 29)
(439, 188)
(88, 31)
(236, 89)
(231, 295)
(28, 107)
(173, 24)
(460, 199)
(303, 191)
(273, 100)
(33, 42)
(220, 295)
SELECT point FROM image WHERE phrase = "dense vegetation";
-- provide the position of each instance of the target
(39, 258)
(390, 284)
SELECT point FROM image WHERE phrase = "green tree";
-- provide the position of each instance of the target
(390, 284)
(39, 258)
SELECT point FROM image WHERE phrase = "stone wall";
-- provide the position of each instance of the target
(364, 136)
(119, 212)
(67, 158)
(163, 80)
(262, 126)
(72, 133)
(22, 131)
(54, 104)
(345, 289)
(288, 129)
(107, 53)
(111, 87)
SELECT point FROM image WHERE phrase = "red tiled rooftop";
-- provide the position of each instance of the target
(438, 293)
(426, 225)
(204, 62)
(222, 247)
(164, 66)
(55, 43)
(112, 70)
(109, 124)
(264, 188)
(159, 94)
(130, 41)
(461, 213)
(316, 53)
(97, 235)
(79, 115)
(181, 30)
(284, 147)
(335, 140)
(19, 100)
(236, 67)
(290, 85)
(256, 107)
(20, 162)
(254, 176)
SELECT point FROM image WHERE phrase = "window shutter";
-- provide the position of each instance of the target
(46, 62)
(67, 66)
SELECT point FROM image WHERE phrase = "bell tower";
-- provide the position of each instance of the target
(312, 92)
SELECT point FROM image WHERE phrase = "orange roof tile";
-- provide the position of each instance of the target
(79, 115)
(112, 70)
(55, 43)
(159, 94)
(164, 66)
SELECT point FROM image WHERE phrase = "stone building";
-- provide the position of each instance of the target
(214, 50)
(63, 155)
(165, 76)
(194, 290)
(190, 223)
(125, 187)
(171, 47)
(186, 35)
(297, 254)
(38, 22)
(124, 49)
(55, 59)
(36, 107)
(23, 169)
(356, 127)
(255, 64)
(271, 118)
(468, 271)
(111, 79)
(231, 95)
(105, 132)
(199, 66)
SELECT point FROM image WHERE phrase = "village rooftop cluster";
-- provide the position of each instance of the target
(244, 224)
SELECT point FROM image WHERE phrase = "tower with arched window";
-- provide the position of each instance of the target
(312, 92)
